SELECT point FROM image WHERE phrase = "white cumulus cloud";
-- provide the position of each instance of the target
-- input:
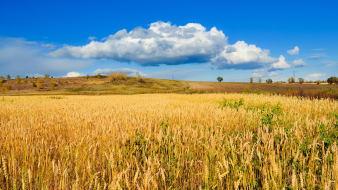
(74, 74)
(242, 56)
(129, 72)
(164, 43)
(294, 51)
(160, 43)
(298, 63)
(281, 64)
(91, 38)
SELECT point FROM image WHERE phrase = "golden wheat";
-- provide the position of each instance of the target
(163, 141)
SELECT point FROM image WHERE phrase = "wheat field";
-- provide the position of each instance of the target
(168, 141)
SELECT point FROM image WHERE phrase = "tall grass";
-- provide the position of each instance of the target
(168, 141)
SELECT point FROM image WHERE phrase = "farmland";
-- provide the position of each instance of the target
(266, 87)
(168, 141)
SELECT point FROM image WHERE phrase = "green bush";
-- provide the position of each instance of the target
(258, 91)
(232, 104)
(247, 90)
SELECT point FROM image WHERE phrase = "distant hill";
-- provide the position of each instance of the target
(92, 86)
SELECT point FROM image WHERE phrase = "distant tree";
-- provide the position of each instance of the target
(111, 77)
(3, 88)
(1, 80)
(268, 80)
(259, 80)
(124, 75)
(121, 75)
(52, 85)
(39, 79)
(8, 77)
(332, 80)
(291, 80)
(87, 76)
(115, 76)
(301, 80)
(46, 76)
(26, 77)
(220, 79)
(39, 86)
(18, 79)
(99, 76)
(251, 80)
(51, 77)
(34, 85)
(318, 82)
(138, 78)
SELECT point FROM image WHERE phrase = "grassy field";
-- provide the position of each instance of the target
(91, 86)
(168, 141)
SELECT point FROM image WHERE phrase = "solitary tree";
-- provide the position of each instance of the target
(138, 77)
(259, 80)
(52, 85)
(251, 80)
(220, 79)
(38, 86)
(87, 76)
(39, 79)
(46, 76)
(332, 80)
(291, 80)
(268, 80)
(8, 77)
(1, 80)
(301, 80)
(18, 79)
(318, 82)
(99, 76)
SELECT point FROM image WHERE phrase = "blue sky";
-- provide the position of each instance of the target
(188, 40)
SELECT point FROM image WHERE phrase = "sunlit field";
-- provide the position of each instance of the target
(168, 141)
